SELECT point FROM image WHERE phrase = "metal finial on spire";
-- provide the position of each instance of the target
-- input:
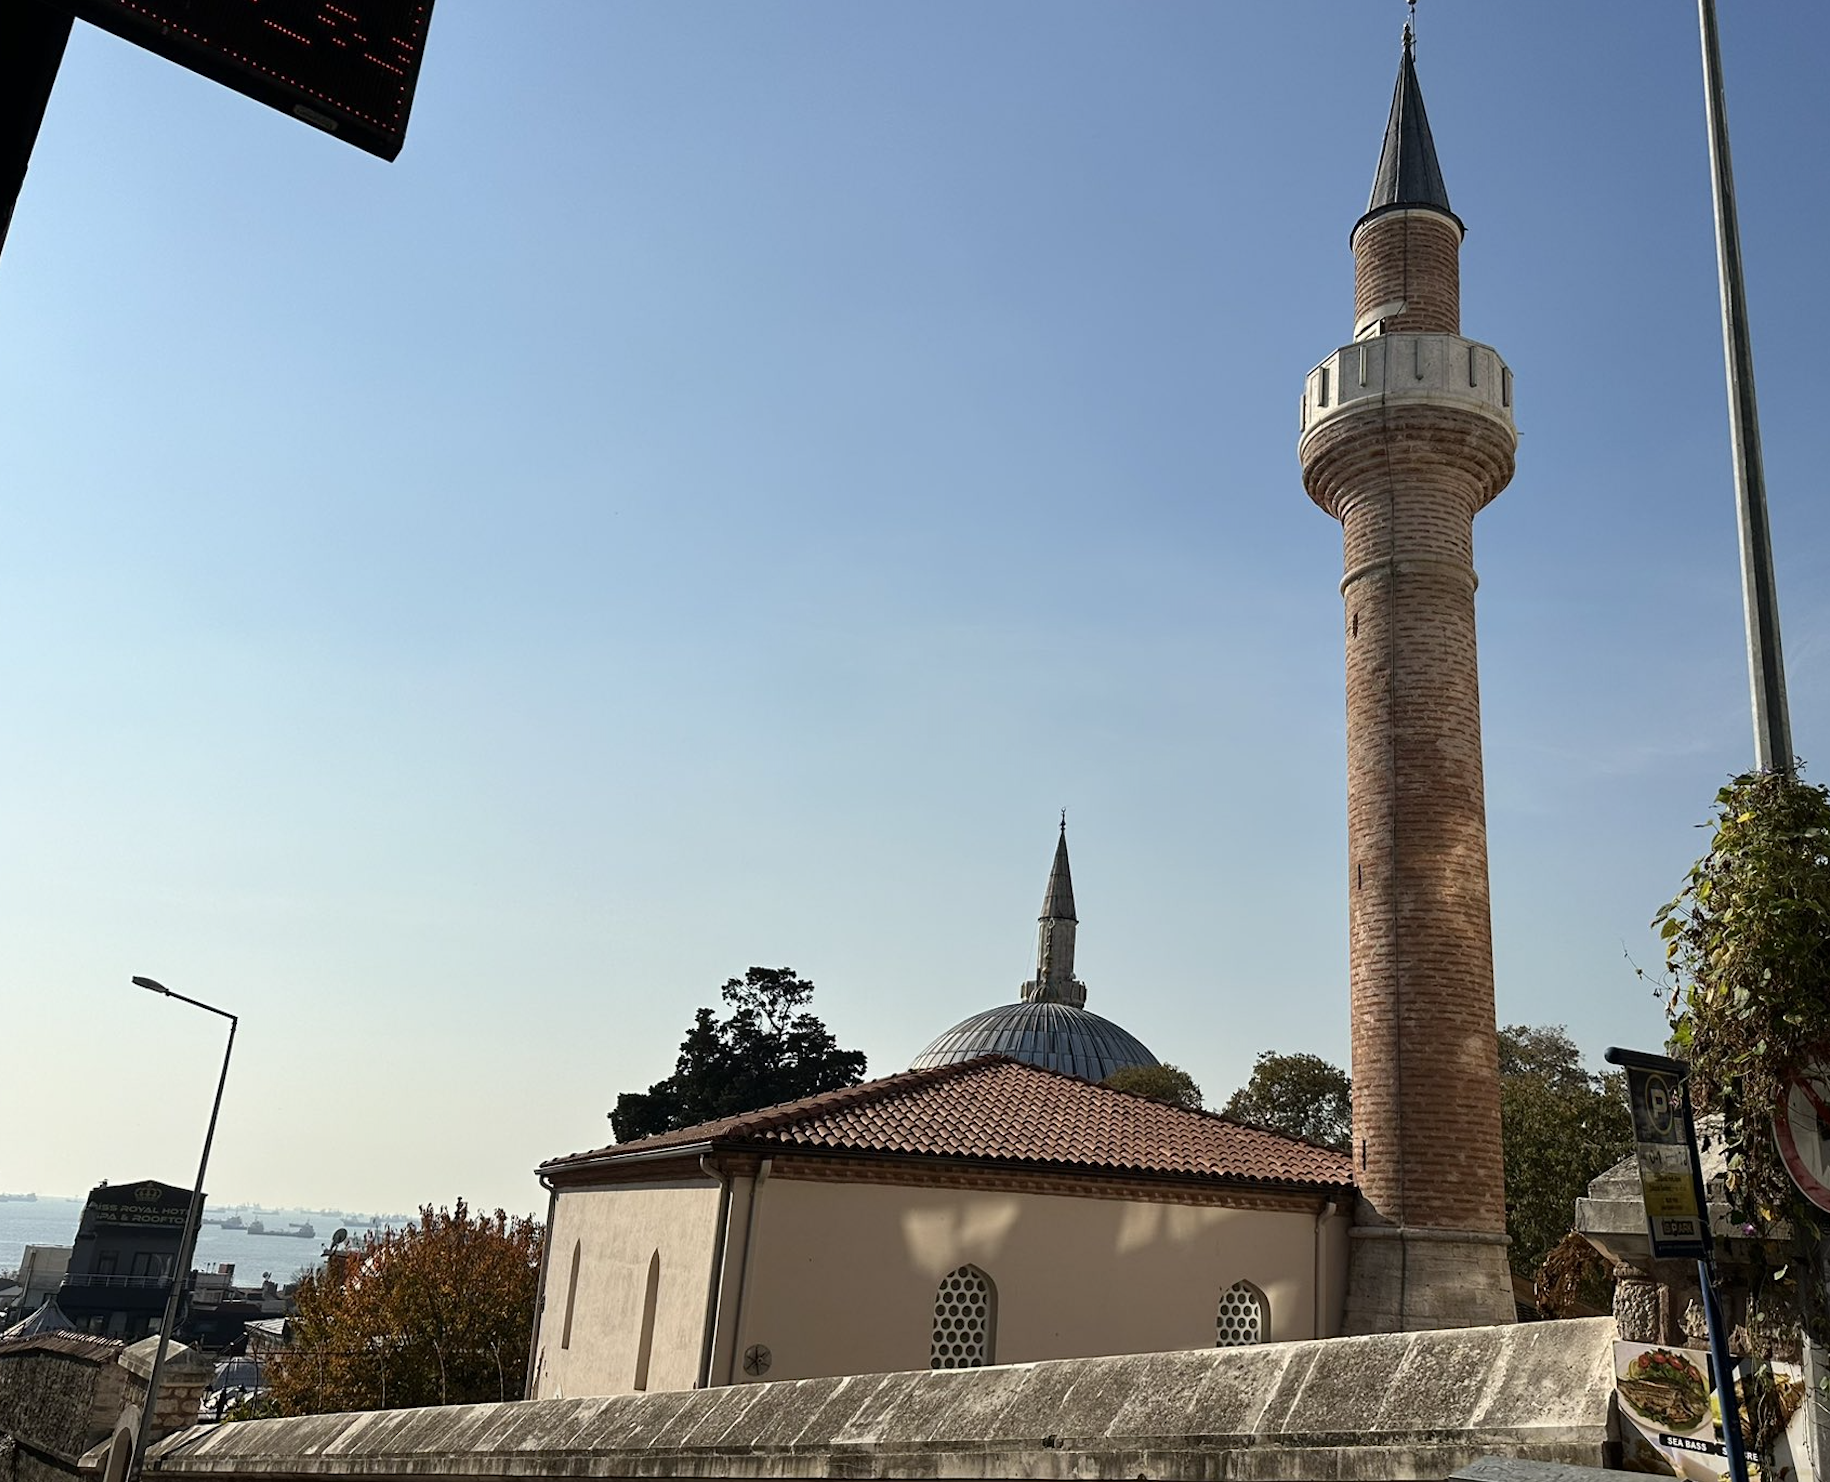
(1058, 898)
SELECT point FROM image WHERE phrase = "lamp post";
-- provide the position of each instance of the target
(1765, 665)
(188, 1241)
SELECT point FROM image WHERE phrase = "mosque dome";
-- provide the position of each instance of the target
(1055, 1036)
(1051, 1026)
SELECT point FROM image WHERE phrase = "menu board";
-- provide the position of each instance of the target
(1671, 1412)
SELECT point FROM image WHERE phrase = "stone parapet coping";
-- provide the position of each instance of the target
(180, 1359)
(1395, 1405)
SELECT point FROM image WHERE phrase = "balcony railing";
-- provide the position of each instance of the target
(1393, 369)
(140, 1282)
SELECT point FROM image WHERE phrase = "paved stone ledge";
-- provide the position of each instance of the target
(1404, 1405)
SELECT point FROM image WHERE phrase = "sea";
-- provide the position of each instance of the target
(52, 1220)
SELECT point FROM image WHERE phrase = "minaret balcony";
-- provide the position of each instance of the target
(1410, 370)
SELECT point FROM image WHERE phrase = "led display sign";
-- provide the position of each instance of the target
(346, 66)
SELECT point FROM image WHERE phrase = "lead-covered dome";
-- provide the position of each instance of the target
(1055, 1036)
(1051, 1027)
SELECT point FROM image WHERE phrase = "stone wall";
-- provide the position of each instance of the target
(59, 1395)
(186, 1376)
(1408, 1405)
(67, 1400)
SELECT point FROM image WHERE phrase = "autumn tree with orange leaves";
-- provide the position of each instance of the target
(439, 1313)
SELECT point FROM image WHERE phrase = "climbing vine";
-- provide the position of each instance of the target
(1747, 945)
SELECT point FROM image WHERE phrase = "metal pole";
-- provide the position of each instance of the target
(1725, 1373)
(32, 38)
(1712, 1309)
(1765, 663)
(188, 1241)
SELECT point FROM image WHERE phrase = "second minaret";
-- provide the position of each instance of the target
(1406, 433)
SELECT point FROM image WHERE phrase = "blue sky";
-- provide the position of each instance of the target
(745, 467)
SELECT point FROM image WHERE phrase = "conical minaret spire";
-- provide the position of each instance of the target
(1407, 432)
(1408, 173)
(1055, 981)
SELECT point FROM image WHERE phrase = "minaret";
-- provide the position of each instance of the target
(1055, 981)
(1406, 433)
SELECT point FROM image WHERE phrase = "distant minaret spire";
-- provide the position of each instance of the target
(1055, 981)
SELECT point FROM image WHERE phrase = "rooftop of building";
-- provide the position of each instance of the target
(90, 1347)
(1055, 1036)
(998, 1109)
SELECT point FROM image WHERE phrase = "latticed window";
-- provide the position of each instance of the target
(965, 1312)
(1241, 1318)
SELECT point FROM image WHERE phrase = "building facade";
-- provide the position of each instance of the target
(976, 1213)
(123, 1258)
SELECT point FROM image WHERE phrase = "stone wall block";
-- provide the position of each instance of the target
(1401, 1405)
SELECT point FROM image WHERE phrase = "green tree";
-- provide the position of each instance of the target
(771, 1048)
(1747, 944)
(1168, 1083)
(1560, 1126)
(1299, 1095)
(439, 1313)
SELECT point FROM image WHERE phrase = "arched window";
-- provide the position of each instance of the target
(965, 1321)
(646, 1347)
(565, 1336)
(1243, 1316)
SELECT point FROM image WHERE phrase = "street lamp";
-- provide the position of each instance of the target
(1760, 602)
(192, 1218)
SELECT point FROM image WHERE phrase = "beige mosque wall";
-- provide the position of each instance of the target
(626, 1238)
(843, 1275)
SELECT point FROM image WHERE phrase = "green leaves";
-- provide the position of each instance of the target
(1748, 939)
(1300, 1095)
(1166, 1083)
(1560, 1126)
(770, 1049)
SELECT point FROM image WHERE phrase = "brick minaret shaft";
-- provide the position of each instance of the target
(1406, 433)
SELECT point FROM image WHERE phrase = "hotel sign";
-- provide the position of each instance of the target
(148, 1204)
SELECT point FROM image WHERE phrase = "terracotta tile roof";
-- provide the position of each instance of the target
(1001, 1109)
